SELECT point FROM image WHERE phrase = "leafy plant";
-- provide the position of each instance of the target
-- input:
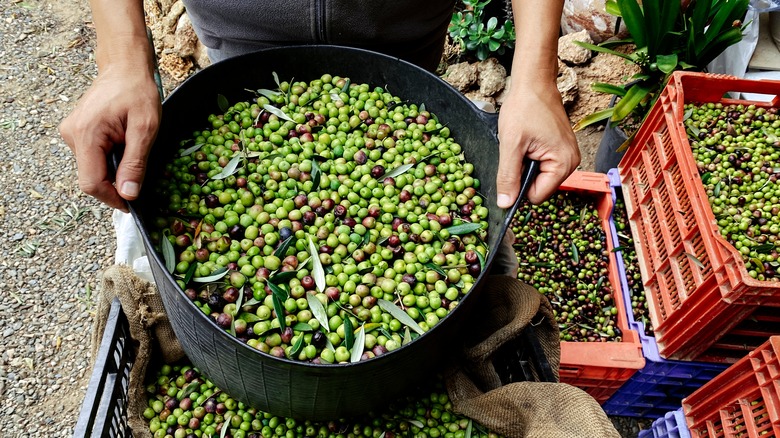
(667, 38)
(474, 34)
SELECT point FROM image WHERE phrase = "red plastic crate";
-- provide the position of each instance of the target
(742, 401)
(601, 368)
(698, 288)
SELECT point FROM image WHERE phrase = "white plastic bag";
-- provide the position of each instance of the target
(734, 60)
(129, 246)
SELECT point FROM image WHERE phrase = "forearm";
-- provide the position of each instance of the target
(537, 26)
(121, 35)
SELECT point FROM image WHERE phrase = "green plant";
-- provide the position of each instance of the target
(667, 37)
(470, 30)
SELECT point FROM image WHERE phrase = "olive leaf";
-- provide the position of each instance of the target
(481, 260)
(302, 327)
(277, 291)
(468, 429)
(271, 95)
(169, 256)
(370, 326)
(239, 302)
(425, 158)
(229, 169)
(345, 88)
(349, 336)
(688, 114)
(276, 79)
(765, 248)
(277, 112)
(695, 260)
(359, 346)
(416, 423)
(315, 175)
(385, 333)
(248, 316)
(366, 239)
(759, 265)
(317, 271)
(297, 346)
(422, 107)
(251, 302)
(216, 275)
(464, 228)
(436, 268)
(527, 217)
(397, 171)
(575, 254)
(190, 150)
(279, 309)
(223, 432)
(329, 345)
(716, 190)
(400, 315)
(190, 272)
(282, 277)
(335, 97)
(189, 389)
(282, 249)
(382, 240)
(599, 282)
(694, 131)
(407, 336)
(223, 103)
(542, 265)
(318, 310)
(366, 270)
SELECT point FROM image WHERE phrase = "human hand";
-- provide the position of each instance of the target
(121, 106)
(533, 123)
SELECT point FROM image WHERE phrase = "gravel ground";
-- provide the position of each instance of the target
(57, 240)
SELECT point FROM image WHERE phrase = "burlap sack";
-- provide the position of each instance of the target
(149, 328)
(519, 409)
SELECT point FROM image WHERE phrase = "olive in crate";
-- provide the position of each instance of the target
(562, 251)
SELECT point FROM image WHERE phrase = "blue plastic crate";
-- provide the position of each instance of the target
(671, 425)
(661, 385)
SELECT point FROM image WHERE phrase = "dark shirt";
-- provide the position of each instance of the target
(411, 30)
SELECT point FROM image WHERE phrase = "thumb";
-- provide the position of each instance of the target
(139, 136)
(508, 179)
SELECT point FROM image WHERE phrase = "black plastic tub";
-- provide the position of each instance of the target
(291, 388)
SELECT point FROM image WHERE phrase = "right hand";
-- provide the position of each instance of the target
(122, 106)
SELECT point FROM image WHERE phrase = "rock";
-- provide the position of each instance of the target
(172, 17)
(501, 97)
(462, 75)
(590, 15)
(175, 66)
(201, 56)
(185, 38)
(492, 76)
(567, 85)
(602, 68)
(168, 41)
(476, 96)
(570, 52)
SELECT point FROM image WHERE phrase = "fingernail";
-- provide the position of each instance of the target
(504, 200)
(130, 188)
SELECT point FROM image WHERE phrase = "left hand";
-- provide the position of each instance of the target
(533, 123)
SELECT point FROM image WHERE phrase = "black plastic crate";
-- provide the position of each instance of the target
(104, 411)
